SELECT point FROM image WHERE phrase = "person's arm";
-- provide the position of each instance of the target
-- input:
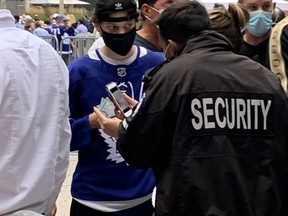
(81, 125)
(63, 140)
(111, 125)
(145, 138)
(81, 130)
(137, 146)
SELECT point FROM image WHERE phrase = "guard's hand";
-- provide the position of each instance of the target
(109, 125)
(130, 101)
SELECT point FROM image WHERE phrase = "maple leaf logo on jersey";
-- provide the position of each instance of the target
(114, 155)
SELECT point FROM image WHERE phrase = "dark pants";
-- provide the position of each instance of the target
(65, 58)
(144, 209)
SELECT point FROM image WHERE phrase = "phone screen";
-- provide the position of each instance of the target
(118, 99)
(117, 94)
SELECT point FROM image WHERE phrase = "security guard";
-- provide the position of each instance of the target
(212, 124)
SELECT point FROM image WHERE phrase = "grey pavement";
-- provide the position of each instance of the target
(64, 200)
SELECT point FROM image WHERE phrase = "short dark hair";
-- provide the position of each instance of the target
(47, 22)
(142, 2)
(148, 2)
(37, 24)
(17, 17)
(183, 19)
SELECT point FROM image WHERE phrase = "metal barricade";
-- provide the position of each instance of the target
(51, 39)
(79, 45)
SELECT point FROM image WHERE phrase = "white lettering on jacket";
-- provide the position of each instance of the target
(231, 113)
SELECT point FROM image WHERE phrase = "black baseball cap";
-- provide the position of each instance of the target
(104, 8)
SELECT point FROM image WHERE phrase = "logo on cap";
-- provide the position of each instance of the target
(118, 6)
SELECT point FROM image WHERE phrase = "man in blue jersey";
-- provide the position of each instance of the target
(103, 184)
(60, 31)
(147, 35)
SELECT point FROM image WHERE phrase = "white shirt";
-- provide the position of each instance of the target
(81, 29)
(98, 43)
(34, 126)
(39, 31)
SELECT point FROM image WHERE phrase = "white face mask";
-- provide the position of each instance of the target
(166, 50)
(158, 11)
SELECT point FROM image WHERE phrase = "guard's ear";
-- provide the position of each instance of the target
(171, 49)
(174, 47)
(146, 10)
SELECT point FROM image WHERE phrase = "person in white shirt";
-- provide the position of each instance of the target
(81, 28)
(35, 132)
(39, 31)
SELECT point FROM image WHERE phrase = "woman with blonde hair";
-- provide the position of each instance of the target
(230, 23)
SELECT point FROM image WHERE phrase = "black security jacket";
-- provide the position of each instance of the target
(213, 125)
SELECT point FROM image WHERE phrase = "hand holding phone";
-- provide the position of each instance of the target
(118, 99)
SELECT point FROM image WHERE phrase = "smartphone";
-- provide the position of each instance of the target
(118, 99)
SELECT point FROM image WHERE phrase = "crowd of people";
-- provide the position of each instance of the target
(80, 26)
(208, 96)
(60, 26)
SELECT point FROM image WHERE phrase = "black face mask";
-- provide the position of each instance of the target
(119, 43)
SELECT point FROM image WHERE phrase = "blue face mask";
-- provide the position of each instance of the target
(259, 23)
